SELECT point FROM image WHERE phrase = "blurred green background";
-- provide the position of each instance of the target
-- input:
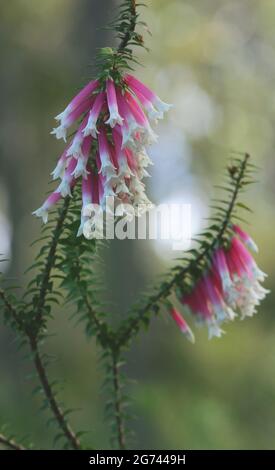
(215, 60)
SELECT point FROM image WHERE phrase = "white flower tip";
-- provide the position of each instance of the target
(64, 189)
(86, 132)
(214, 331)
(155, 115)
(55, 174)
(60, 132)
(80, 170)
(114, 120)
(80, 230)
(108, 170)
(163, 107)
(231, 314)
(252, 245)
(61, 117)
(58, 172)
(122, 188)
(127, 141)
(90, 129)
(42, 213)
(189, 335)
(166, 107)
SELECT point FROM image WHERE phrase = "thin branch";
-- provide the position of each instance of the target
(32, 334)
(10, 443)
(11, 309)
(59, 415)
(90, 309)
(117, 402)
(163, 293)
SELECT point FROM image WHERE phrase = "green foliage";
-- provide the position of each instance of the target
(112, 61)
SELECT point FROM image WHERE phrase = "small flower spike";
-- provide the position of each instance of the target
(230, 287)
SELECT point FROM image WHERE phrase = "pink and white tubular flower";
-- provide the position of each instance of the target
(230, 286)
(43, 211)
(87, 199)
(206, 310)
(58, 172)
(221, 270)
(182, 324)
(153, 114)
(112, 129)
(140, 89)
(91, 128)
(220, 309)
(77, 100)
(123, 167)
(74, 149)
(130, 126)
(66, 184)
(91, 194)
(61, 131)
(245, 238)
(82, 160)
(147, 134)
(115, 117)
(106, 165)
(247, 278)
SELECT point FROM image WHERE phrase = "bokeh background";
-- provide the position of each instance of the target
(215, 60)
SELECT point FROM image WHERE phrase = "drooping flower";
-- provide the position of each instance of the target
(246, 239)
(230, 286)
(113, 121)
(142, 90)
(48, 204)
(115, 117)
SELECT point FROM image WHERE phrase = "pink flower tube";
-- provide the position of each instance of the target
(82, 160)
(48, 204)
(58, 172)
(91, 128)
(61, 131)
(115, 117)
(246, 239)
(182, 324)
(140, 89)
(83, 95)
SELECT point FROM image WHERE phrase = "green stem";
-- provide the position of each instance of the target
(102, 333)
(16, 318)
(132, 26)
(32, 335)
(118, 402)
(10, 443)
(57, 412)
(44, 286)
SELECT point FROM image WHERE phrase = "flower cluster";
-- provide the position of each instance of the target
(231, 286)
(108, 149)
